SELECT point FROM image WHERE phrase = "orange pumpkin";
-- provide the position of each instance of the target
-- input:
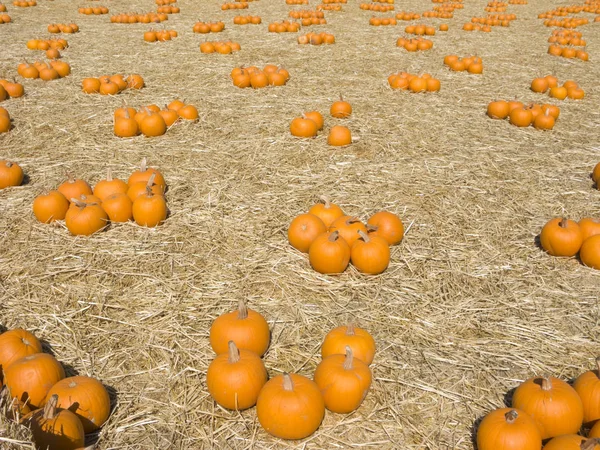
(30, 378)
(149, 209)
(16, 344)
(73, 188)
(344, 382)
(358, 339)
(341, 109)
(247, 328)
(386, 225)
(50, 207)
(595, 431)
(590, 252)
(303, 230)
(589, 227)
(587, 386)
(329, 253)
(144, 174)
(234, 379)
(11, 174)
(109, 186)
(85, 218)
(339, 136)
(326, 211)
(596, 174)
(572, 442)
(552, 403)
(370, 254)
(84, 396)
(508, 429)
(290, 406)
(348, 227)
(561, 237)
(118, 207)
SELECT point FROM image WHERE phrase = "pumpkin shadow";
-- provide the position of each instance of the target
(70, 371)
(3, 328)
(508, 397)
(91, 439)
(474, 429)
(26, 180)
(538, 242)
(47, 347)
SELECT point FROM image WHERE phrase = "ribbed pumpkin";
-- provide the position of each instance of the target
(348, 228)
(50, 207)
(149, 209)
(561, 237)
(587, 386)
(247, 328)
(386, 225)
(370, 254)
(329, 253)
(303, 230)
(234, 379)
(74, 188)
(145, 173)
(508, 429)
(16, 344)
(109, 186)
(589, 254)
(54, 428)
(30, 378)
(358, 339)
(11, 174)
(344, 381)
(572, 442)
(290, 406)
(118, 207)
(84, 396)
(552, 403)
(326, 211)
(85, 218)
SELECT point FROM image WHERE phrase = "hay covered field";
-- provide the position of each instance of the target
(469, 306)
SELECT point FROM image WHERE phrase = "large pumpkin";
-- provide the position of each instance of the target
(84, 396)
(290, 406)
(358, 339)
(561, 237)
(508, 429)
(552, 403)
(16, 344)
(587, 386)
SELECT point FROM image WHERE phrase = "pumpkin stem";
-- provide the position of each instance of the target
(242, 310)
(352, 220)
(288, 384)
(349, 358)
(511, 416)
(334, 236)
(143, 165)
(372, 228)
(72, 384)
(8, 164)
(151, 180)
(350, 330)
(78, 203)
(325, 200)
(563, 223)
(50, 408)
(234, 353)
(364, 236)
(546, 384)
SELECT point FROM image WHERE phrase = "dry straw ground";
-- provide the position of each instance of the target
(469, 305)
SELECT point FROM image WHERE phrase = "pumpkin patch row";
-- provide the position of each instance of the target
(542, 117)
(329, 7)
(51, 71)
(316, 39)
(10, 89)
(247, 20)
(375, 7)
(414, 45)
(296, 2)
(333, 239)
(546, 409)
(568, 52)
(111, 85)
(11, 174)
(150, 17)
(69, 28)
(382, 21)
(420, 30)
(405, 15)
(234, 5)
(164, 2)
(414, 83)
(495, 20)
(86, 211)
(24, 3)
(160, 35)
(568, 22)
(5, 122)
(517, 2)
(284, 26)
(306, 14)
(564, 237)
(288, 406)
(438, 14)
(549, 84)
(469, 26)
(208, 27)
(151, 121)
(168, 9)
(471, 64)
(567, 37)
(95, 11)
(270, 75)
(58, 410)
(47, 44)
(221, 47)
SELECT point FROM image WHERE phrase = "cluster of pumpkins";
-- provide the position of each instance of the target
(414, 83)
(5, 122)
(471, 64)
(333, 239)
(5, 18)
(208, 27)
(288, 406)
(382, 21)
(111, 84)
(565, 237)
(151, 121)
(160, 35)
(296, 2)
(24, 3)
(495, 20)
(67, 28)
(546, 409)
(285, 26)
(568, 52)
(542, 117)
(58, 410)
(168, 9)
(306, 14)
(221, 47)
(310, 123)
(95, 11)
(567, 37)
(469, 26)
(316, 38)
(87, 211)
(329, 7)
(234, 5)
(270, 75)
(47, 45)
(52, 70)
(11, 174)
(376, 8)
(10, 89)
(420, 30)
(549, 84)
(247, 20)
(150, 17)
(414, 45)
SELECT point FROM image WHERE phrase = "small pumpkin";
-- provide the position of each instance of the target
(344, 382)
(596, 174)
(508, 429)
(303, 230)
(118, 207)
(358, 339)
(386, 225)
(84, 396)
(590, 252)
(74, 188)
(234, 379)
(188, 112)
(30, 378)
(247, 328)
(316, 117)
(589, 227)
(498, 109)
(144, 174)
(126, 126)
(290, 406)
(339, 136)
(16, 344)
(521, 117)
(329, 253)
(326, 211)
(11, 174)
(341, 109)
(85, 219)
(561, 237)
(348, 227)
(572, 442)
(109, 186)
(153, 125)
(370, 254)
(50, 207)
(149, 209)
(303, 127)
(55, 428)
(552, 403)
(587, 386)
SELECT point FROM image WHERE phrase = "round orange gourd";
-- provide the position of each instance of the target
(329, 253)
(30, 378)
(188, 112)
(386, 225)
(153, 125)
(540, 85)
(589, 227)
(85, 218)
(149, 209)
(590, 252)
(370, 254)
(572, 442)
(144, 174)
(596, 173)
(553, 404)
(16, 344)
(74, 188)
(340, 109)
(234, 379)
(358, 339)
(303, 127)
(348, 227)
(11, 174)
(109, 186)
(303, 230)
(290, 406)
(508, 429)
(595, 431)
(587, 386)
(521, 117)
(118, 207)
(246, 327)
(316, 117)
(498, 109)
(50, 207)
(561, 237)
(326, 211)
(84, 396)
